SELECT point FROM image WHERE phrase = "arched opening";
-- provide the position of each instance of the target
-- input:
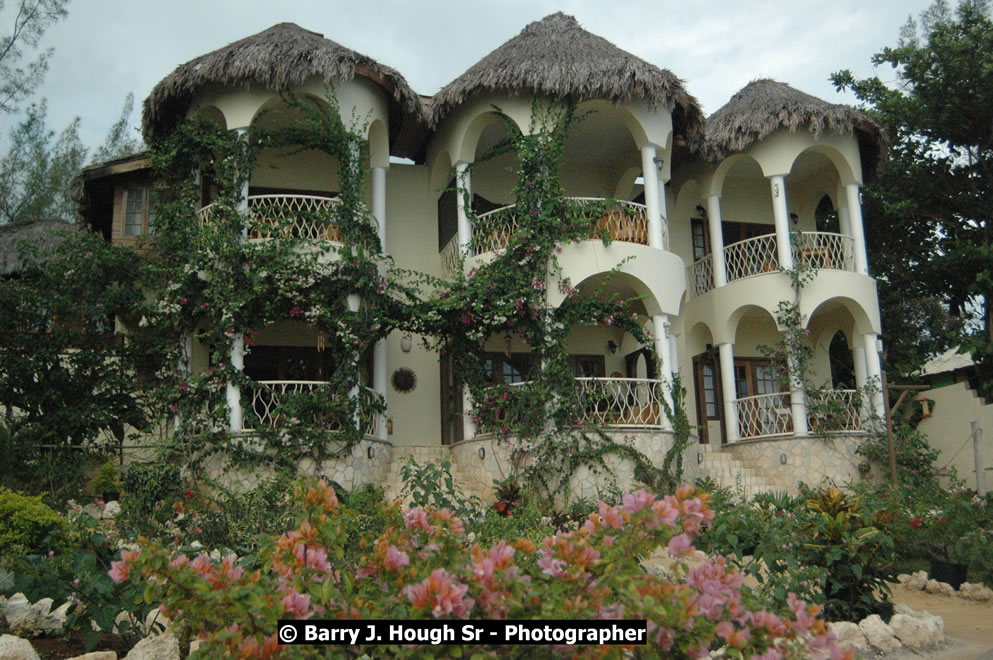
(842, 363)
(826, 217)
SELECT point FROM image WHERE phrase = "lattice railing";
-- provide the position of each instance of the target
(835, 410)
(450, 255)
(267, 399)
(627, 402)
(752, 256)
(825, 250)
(700, 276)
(764, 415)
(290, 216)
(623, 221)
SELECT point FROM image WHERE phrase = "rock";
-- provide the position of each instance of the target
(93, 511)
(975, 591)
(97, 655)
(878, 634)
(900, 608)
(111, 510)
(15, 648)
(903, 578)
(195, 644)
(27, 620)
(915, 632)
(849, 634)
(942, 588)
(917, 581)
(157, 623)
(160, 647)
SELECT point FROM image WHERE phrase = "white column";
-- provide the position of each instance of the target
(463, 189)
(674, 354)
(660, 325)
(379, 202)
(468, 426)
(716, 240)
(379, 371)
(237, 359)
(243, 201)
(798, 400)
(782, 217)
(727, 387)
(844, 223)
(650, 174)
(855, 218)
(858, 360)
(874, 371)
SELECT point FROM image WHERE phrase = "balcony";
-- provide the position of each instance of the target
(758, 256)
(272, 404)
(622, 221)
(770, 415)
(629, 403)
(289, 216)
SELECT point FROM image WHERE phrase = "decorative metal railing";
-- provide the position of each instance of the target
(622, 221)
(700, 276)
(825, 250)
(752, 256)
(290, 216)
(272, 395)
(621, 402)
(764, 415)
(450, 254)
(834, 410)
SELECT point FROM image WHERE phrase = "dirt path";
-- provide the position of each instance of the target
(968, 624)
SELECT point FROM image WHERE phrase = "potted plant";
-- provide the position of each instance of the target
(106, 483)
(952, 537)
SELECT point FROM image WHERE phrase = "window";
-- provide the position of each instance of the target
(501, 369)
(701, 246)
(139, 211)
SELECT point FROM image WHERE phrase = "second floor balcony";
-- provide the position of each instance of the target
(290, 216)
(759, 255)
(493, 231)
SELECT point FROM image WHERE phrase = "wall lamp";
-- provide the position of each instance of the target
(482, 453)
(406, 343)
(795, 218)
(702, 212)
(611, 346)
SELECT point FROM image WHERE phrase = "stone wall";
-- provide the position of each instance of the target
(814, 460)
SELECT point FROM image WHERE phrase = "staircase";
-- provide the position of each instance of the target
(422, 454)
(728, 471)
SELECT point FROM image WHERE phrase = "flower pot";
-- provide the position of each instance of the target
(950, 572)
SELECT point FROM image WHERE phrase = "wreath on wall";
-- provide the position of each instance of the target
(404, 380)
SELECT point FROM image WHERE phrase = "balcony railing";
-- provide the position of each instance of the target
(770, 415)
(759, 255)
(290, 216)
(450, 254)
(272, 394)
(621, 402)
(622, 221)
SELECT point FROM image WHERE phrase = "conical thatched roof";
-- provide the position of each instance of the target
(44, 235)
(280, 58)
(556, 57)
(764, 106)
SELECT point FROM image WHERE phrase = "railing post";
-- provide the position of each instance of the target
(237, 358)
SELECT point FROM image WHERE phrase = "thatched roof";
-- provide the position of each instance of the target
(280, 58)
(556, 57)
(45, 235)
(764, 106)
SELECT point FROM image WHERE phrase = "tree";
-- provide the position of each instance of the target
(934, 201)
(66, 380)
(32, 19)
(36, 172)
(121, 140)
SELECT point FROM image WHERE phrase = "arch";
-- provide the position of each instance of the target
(753, 326)
(621, 283)
(744, 312)
(442, 171)
(842, 167)
(626, 183)
(213, 113)
(716, 184)
(830, 314)
(275, 112)
(698, 338)
(633, 124)
(467, 145)
(379, 144)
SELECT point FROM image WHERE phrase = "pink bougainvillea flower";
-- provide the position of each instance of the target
(119, 569)
(396, 559)
(680, 545)
(440, 594)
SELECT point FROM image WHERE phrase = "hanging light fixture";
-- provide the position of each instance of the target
(322, 338)
(406, 342)
(507, 341)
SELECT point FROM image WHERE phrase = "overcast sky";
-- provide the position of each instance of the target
(106, 48)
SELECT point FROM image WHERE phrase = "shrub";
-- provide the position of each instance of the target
(422, 566)
(28, 525)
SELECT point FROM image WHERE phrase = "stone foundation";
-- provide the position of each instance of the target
(814, 460)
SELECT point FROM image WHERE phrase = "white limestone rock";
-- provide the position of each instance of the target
(159, 647)
(878, 634)
(111, 510)
(33, 620)
(917, 581)
(914, 632)
(849, 634)
(976, 591)
(15, 648)
(157, 623)
(97, 655)
(942, 588)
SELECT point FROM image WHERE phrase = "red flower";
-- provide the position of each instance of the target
(916, 522)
